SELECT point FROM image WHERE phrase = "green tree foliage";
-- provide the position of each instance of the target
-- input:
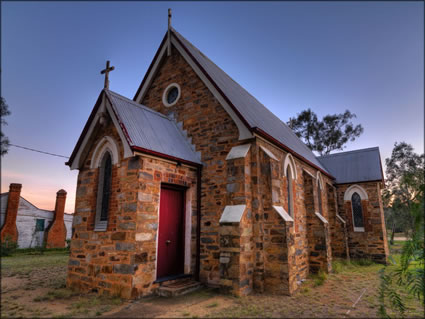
(404, 201)
(404, 188)
(4, 109)
(331, 133)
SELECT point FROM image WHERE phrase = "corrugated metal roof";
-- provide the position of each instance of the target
(151, 130)
(354, 166)
(254, 113)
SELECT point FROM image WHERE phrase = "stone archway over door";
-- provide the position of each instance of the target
(171, 232)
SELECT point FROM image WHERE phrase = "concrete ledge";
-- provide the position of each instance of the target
(232, 214)
(340, 218)
(269, 153)
(239, 151)
(282, 212)
(320, 216)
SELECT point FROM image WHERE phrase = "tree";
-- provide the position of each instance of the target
(4, 108)
(404, 186)
(331, 133)
(404, 201)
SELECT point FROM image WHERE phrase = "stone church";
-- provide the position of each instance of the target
(195, 178)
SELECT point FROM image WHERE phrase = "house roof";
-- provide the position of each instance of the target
(254, 114)
(31, 204)
(151, 131)
(354, 166)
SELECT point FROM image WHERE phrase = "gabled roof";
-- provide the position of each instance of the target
(257, 118)
(149, 130)
(354, 166)
(6, 194)
(141, 129)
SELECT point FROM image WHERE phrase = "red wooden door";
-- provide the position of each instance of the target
(171, 233)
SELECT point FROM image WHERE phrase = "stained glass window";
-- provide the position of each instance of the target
(107, 174)
(289, 190)
(356, 203)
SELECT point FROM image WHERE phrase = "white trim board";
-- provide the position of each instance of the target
(232, 214)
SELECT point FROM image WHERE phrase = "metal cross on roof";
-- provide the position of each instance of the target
(106, 72)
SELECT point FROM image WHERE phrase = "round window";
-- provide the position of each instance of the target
(171, 94)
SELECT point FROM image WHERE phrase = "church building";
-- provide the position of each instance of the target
(195, 178)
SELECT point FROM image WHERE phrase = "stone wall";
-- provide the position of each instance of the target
(320, 256)
(214, 133)
(337, 226)
(372, 243)
(122, 259)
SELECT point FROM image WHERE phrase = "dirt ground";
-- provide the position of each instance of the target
(34, 286)
(332, 299)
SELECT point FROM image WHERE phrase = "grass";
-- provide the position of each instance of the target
(26, 263)
(320, 278)
(43, 275)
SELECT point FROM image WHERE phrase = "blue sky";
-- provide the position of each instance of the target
(367, 57)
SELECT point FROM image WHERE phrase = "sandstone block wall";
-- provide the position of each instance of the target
(122, 259)
(372, 243)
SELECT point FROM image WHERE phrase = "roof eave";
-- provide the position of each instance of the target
(165, 156)
(281, 145)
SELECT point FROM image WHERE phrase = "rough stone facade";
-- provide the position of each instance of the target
(122, 259)
(372, 242)
(269, 247)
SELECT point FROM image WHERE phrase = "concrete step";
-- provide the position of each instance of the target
(176, 288)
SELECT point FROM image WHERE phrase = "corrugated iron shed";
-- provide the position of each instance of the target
(255, 113)
(354, 166)
(151, 130)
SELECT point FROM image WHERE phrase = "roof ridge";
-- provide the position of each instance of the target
(368, 149)
(135, 104)
(245, 90)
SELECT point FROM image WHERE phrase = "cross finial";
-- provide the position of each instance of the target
(106, 72)
(168, 33)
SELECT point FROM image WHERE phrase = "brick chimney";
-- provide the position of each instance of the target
(9, 229)
(56, 232)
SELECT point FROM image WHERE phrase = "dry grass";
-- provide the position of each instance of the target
(34, 286)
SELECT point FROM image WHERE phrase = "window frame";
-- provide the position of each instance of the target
(102, 224)
(290, 194)
(357, 229)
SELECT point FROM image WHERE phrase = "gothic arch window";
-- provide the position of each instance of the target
(319, 192)
(103, 192)
(356, 194)
(289, 192)
(290, 172)
(356, 206)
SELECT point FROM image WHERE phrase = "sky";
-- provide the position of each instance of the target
(367, 57)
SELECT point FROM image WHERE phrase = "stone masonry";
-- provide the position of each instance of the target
(263, 250)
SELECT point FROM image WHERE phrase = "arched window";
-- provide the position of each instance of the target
(319, 186)
(289, 191)
(356, 194)
(103, 192)
(319, 197)
(356, 204)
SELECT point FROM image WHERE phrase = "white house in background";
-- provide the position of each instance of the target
(32, 222)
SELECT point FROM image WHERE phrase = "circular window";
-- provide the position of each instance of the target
(171, 95)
